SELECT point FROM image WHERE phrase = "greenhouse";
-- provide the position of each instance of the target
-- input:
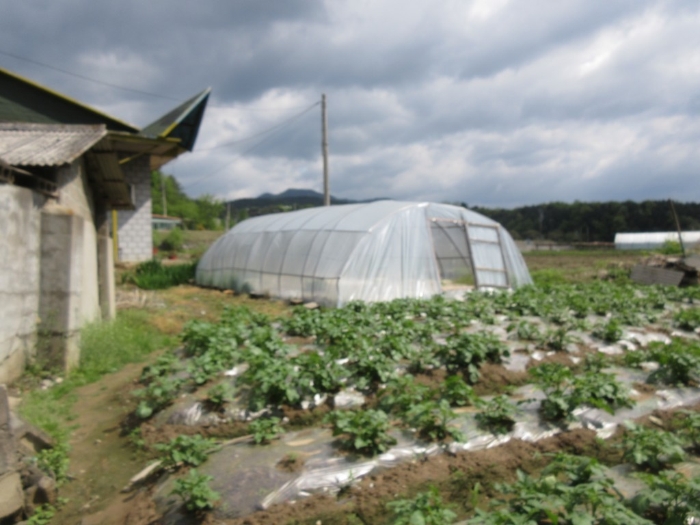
(372, 252)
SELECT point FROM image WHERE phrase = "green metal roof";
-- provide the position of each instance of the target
(22, 100)
(182, 122)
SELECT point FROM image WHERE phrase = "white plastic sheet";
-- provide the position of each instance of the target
(371, 252)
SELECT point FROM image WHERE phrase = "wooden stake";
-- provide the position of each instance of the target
(678, 226)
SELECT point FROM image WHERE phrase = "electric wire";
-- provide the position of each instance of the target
(242, 153)
(132, 90)
(256, 135)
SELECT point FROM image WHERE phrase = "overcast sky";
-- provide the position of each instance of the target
(489, 102)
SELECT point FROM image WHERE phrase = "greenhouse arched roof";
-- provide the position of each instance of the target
(376, 251)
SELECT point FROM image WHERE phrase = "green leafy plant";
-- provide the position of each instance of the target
(525, 330)
(679, 362)
(43, 515)
(219, 395)
(467, 352)
(668, 498)
(565, 392)
(687, 427)
(610, 332)
(426, 508)
(153, 275)
(557, 498)
(195, 492)
(265, 430)
(651, 449)
(273, 381)
(402, 393)
(319, 374)
(363, 431)
(496, 415)
(457, 392)
(431, 420)
(184, 450)
(159, 393)
(555, 381)
(557, 339)
(54, 461)
(688, 319)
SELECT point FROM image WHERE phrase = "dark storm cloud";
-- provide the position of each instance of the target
(494, 102)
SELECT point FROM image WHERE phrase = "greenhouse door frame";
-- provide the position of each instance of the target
(469, 240)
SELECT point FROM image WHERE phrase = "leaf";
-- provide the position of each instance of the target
(417, 518)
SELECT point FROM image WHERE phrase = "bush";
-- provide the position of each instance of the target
(173, 242)
(670, 248)
(153, 275)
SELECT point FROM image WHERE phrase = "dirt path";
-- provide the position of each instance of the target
(101, 460)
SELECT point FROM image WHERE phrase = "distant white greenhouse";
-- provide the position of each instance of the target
(372, 252)
(653, 240)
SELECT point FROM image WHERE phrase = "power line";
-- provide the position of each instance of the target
(82, 77)
(256, 135)
(218, 170)
(116, 86)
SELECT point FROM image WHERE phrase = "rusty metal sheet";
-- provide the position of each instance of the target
(642, 274)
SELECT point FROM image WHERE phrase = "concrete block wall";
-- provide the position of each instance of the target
(20, 222)
(61, 288)
(75, 197)
(135, 230)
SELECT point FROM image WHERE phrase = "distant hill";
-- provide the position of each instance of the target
(291, 199)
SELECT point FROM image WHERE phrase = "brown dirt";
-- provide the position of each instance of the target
(560, 358)
(101, 460)
(366, 502)
(291, 463)
(495, 379)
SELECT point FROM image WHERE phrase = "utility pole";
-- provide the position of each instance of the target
(324, 148)
(162, 191)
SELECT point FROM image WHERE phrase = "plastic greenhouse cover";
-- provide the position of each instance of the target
(372, 252)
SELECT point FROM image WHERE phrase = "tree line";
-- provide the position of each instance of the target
(592, 221)
(202, 213)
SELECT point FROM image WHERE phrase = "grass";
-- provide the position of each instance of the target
(154, 275)
(105, 348)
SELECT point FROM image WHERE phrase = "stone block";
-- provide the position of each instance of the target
(11, 494)
(7, 441)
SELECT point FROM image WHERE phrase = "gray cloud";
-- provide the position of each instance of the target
(491, 102)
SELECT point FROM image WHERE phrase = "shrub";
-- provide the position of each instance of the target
(173, 241)
(153, 275)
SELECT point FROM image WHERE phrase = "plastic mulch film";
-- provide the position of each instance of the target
(372, 252)
(249, 478)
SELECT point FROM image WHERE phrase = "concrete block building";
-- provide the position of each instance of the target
(66, 171)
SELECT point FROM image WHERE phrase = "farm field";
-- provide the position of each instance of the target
(574, 402)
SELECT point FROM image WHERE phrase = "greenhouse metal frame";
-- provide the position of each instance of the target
(376, 251)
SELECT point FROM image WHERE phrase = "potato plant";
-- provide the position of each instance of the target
(363, 431)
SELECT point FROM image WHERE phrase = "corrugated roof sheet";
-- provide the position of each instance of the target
(25, 144)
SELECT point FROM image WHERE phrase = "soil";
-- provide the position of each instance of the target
(291, 463)
(495, 379)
